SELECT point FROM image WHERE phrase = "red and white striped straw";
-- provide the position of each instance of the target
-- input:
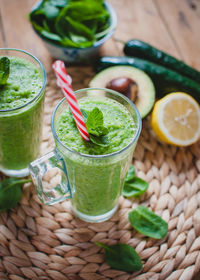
(64, 82)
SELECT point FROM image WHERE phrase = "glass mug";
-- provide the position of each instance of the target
(20, 128)
(92, 182)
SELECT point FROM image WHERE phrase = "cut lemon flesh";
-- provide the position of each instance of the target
(176, 119)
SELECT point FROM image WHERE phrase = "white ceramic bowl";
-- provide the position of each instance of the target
(84, 55)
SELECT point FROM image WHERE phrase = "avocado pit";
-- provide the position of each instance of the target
(124, 85)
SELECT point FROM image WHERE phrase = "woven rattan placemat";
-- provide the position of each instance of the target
(48, 242)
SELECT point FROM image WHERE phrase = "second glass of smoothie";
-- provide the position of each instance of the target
(92, 175)
(21, 109)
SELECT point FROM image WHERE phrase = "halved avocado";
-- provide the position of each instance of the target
(130, 81)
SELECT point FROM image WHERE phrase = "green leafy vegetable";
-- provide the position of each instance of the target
(130, 174)
(100, 140)
(122, 257)
(133, 186)
(84, 114)
(72, 23)
(95, 124)
(51, 12)
(148, 223)
(10, 192)
(4, 70)
(96, 128)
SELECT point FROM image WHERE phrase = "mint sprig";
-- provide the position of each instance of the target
(95, 126)
(4, 70)
(94, 123)
(100, 140)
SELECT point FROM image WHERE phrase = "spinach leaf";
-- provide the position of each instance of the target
(50, 11)
(134, 187)
(130, 174)
(10, 192)
(79, 33)
(71, 23)
(59, 3)
(51, 36)
(47, 34)
(122, 257)
(92, 9)
(148, 223)
(61, 25)
(4, 70)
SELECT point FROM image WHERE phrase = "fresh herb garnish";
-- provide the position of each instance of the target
(122, 257)
(84, 114)
(95, 126)
(94, 123)
(10, 192)
(100, 140)
(4, 70)
(133, 186)
(71, 23)
(148, 223)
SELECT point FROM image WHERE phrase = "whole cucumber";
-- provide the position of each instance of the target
(143, 50)
(164, 79)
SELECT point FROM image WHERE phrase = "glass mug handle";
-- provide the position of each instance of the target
(40, 167)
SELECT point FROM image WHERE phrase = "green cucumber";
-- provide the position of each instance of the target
(164, 79)
(143, 50)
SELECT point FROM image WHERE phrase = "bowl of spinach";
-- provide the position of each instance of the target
(73, 30)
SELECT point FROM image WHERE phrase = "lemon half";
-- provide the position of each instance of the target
(175, 119)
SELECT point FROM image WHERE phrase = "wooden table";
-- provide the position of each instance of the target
(171, 25)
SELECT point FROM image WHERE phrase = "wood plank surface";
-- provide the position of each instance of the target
(18, 30)
(141, 20)
(182, 21)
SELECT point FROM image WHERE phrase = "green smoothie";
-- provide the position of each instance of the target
(21, 104)
(96, 181)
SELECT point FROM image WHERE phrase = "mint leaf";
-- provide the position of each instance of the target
(100, 140)
(95, 124)
(148, 223)
(94, 120)
(96, 128)
(98, 131)
(84, 114)
(122, 257)
(4, 70)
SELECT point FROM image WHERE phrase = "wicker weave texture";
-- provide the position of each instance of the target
(48, 242)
